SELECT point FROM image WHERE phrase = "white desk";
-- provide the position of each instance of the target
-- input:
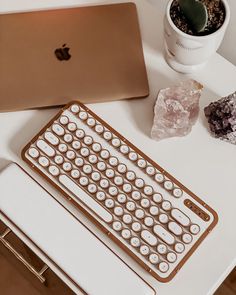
(202, 163)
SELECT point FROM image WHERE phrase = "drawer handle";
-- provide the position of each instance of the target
(38, 274)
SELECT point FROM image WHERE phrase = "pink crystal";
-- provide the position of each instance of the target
(176, 110)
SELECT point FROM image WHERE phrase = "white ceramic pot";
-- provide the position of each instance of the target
(186, 53)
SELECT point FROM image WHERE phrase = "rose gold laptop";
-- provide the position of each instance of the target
(93, 54)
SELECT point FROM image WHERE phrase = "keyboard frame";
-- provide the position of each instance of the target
(96, 222)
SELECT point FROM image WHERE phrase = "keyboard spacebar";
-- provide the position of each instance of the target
(85, 198)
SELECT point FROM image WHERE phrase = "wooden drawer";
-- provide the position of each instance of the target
(22, 271)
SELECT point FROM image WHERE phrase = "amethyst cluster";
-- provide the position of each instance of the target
(221, 117)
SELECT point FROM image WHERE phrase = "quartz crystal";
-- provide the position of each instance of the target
(176, 110)
(221, 117)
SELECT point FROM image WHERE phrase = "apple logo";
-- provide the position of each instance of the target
(62, 53)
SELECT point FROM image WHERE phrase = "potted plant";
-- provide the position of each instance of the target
(193, 31)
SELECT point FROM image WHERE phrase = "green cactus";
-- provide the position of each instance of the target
(196, 14)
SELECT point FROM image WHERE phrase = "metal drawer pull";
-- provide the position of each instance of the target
(38, 274)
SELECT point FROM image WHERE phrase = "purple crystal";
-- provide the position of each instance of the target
(221, 117)
(176, 110)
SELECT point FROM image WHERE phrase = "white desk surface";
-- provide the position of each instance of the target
(204, 164)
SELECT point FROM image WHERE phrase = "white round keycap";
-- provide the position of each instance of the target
(194, 229)
(144, 250)
(116, 225)
(104, 154)
(93, 159)
(136, 226)
(83, 115)
(124, 149)
(157, 198)
(153, 258)
(113, 191)
(136, 195)
(88, 140)
(58, 159)
(175, 228)
(145, 203)
(101, 166)
(107, 135)
(142, 163)
(162, 249)
(127, 188)
(148, 221)
(79, 162)
(150, 170)
(135, 242)
(187, 238)
(148, 190)
(163, 218)
(168, 185)
(130, 206)
(109, 203)
(67, 166)
(99, 129)
(118, 180)
(101, 196)
(119, 211)
(126, 234)
(76, 145)
(75, 173)
(116, 142)
(139, 213)
(64, 120)
(127, 218)
(110, 173)
(84, 152)
(139, 182)
(92, 188)
(122, 168)
(177, 192)
(163, 266)
(171, 257)
(113, 161)
(56, 128)
(80, 133)
(70, 155)
(51, 138)
(72, 126)
(91, 122)
(33, 152)
(154, 210)
(68, 138)
(83, 180)
(87, 169)
(74, 108)
(104, 183)
(159, 177)
(96, 176)
(130, 175)
(133, 156)
(62, 147)
(53, 170)
(166, 205)
(121, 198)
(179, 247)
(96, 147)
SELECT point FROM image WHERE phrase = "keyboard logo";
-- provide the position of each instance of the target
(62, 53)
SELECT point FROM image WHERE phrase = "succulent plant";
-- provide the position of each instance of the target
(196, 13)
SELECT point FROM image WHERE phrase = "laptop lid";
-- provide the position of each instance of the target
(89, 53)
